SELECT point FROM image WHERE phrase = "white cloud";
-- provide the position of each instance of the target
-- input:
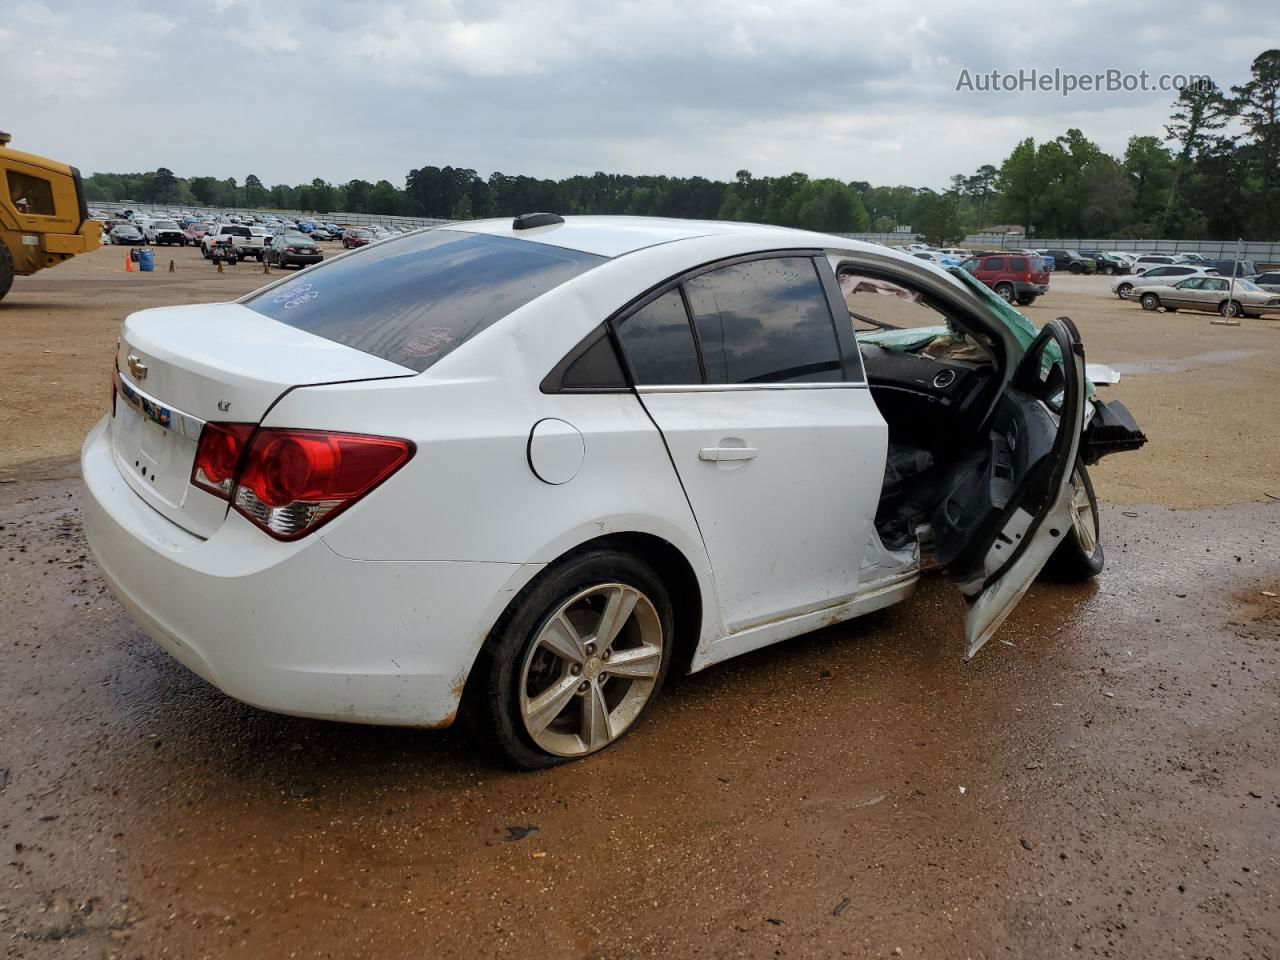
(555, 87)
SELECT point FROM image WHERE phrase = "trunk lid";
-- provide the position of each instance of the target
(179, 367)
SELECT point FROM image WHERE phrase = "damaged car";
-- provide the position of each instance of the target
(523, 469)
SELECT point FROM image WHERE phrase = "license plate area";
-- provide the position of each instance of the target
(154, 445)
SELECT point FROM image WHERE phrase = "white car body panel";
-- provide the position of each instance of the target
(379, 614)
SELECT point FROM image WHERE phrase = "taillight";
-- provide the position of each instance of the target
(288, 482)
(218, 454)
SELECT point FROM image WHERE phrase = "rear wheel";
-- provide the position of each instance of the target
(6, 270)
(1079, 556)
(1005, 292)
(1150, 301)
(573, 662)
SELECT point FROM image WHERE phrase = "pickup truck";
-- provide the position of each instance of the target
(247, 245)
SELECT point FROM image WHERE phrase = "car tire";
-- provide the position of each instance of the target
(1076, 268)
(1123, 289)
(520, 656)
(1005, 292)
(1026, 301)
(6, 270)
(1079, 556)
(1150, 301)
(1230, 309)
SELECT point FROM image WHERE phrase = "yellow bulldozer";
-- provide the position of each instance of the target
(44, 219)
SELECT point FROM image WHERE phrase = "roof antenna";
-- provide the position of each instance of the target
(527, 221)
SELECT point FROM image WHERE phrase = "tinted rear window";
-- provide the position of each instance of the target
(414, 299)
(765, 321)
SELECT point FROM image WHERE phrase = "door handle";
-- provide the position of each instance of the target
(721, 454)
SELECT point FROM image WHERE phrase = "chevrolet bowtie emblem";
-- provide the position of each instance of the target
(137, 369)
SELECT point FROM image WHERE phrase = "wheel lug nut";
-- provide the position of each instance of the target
(591, 649)
(606, 655)
(584, 687)
(575, 669)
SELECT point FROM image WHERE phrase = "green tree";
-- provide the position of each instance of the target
(1258, 105)
(1198, 113)
(1019, 184)
(255, 194)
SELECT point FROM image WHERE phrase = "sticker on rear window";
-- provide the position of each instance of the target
(429, 342)
(295, 294)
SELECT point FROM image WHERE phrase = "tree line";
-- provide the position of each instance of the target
(1214, 174)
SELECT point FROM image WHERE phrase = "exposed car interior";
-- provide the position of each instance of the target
(955, 462)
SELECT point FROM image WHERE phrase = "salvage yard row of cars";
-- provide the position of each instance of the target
(524, 469)
(277, 240)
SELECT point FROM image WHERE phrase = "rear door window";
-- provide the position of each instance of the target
(1018, 264)
(993, 263)
(658, 343)
(765, 321)
(416, 298)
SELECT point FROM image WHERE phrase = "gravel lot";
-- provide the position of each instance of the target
(1103, 782)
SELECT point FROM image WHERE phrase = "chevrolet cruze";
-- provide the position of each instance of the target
(524, 469)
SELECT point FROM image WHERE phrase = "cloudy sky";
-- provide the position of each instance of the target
(372, 88)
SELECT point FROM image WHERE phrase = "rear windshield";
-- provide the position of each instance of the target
(414, 299)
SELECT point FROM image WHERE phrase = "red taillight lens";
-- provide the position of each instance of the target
(288, 482)
(218, 455)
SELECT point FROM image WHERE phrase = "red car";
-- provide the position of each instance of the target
(1013, 276)
(357, 237)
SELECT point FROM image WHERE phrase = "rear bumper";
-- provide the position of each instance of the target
(1030, 289)
(293, 628)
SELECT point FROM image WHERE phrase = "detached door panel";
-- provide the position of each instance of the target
(1008, 506)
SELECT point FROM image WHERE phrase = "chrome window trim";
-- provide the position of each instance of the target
(161, 414)
(738, 387)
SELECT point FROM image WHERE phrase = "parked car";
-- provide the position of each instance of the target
(126, 233)
(569, 450)
(357, 237)
(1240, 268)
(248, 246)
(320, 233)
(1122, 286)
(291, 248)
(1106, 263)
(1013, 276)
(936, 256)
(1268, 281)
(164, 233)
(1071, 260)
(1207, 294)
(1149, 260)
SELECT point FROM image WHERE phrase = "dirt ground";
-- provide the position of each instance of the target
(1104, 781)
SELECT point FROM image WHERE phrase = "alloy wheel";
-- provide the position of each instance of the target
(1083, 519)
(591, 669)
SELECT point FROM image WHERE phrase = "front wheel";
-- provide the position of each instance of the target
(1005, 292)
(573, 663)
(1079, 556)
(1027, 300)
(1230, 309)
(1122, 291)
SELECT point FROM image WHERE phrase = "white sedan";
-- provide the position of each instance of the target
(525, 468)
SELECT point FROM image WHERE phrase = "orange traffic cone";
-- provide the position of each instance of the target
(219, 266)
(171, 266)
(266, 267)
(128, 263)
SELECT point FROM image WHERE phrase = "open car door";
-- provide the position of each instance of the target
(1008, 506)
